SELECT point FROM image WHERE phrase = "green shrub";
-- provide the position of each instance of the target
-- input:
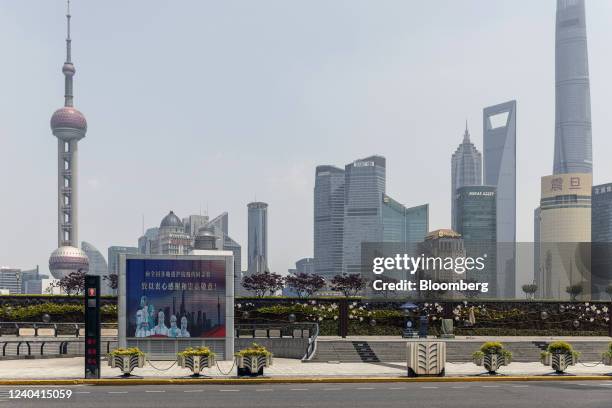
(59, 312)
(126, 352)
(608, 353)
(491, 347)
(559, 347)
(198, 351)
(255, 350)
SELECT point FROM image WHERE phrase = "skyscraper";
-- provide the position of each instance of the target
(69, 126)
(364, 188)
(565, 234)
(499, 142)
(146, 243)
(573, 146)
(601, 240)
(466, 170)
(402, 224)
(328, 220)
(97, 266)
(477, 224)
(10, 278)
(601, 230)
(113, 257)
(257, 256)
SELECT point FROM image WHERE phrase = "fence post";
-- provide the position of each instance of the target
(343, 318)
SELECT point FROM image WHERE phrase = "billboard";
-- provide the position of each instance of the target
(175, 298)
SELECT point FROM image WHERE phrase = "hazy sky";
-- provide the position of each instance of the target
(208, 104)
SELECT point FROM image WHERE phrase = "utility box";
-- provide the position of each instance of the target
(426, 358)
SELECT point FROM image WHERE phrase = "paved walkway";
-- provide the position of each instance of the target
(68, 368)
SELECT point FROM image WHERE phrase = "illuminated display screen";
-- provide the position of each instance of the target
(174, 298)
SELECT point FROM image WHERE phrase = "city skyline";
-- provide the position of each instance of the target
(104, 184)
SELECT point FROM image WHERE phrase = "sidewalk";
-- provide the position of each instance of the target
(71, 368)
(476, 339)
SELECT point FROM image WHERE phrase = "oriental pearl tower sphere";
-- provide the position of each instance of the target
(69, 126)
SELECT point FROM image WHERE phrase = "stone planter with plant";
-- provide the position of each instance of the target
(492, 356)
(251, 361)
(559, 355)
(126, 359)
(196, 359)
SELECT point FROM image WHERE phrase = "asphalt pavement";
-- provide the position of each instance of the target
(549, 394)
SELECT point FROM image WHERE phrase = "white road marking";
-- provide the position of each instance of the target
(194, 391)
(520, 386)
(456, 387)
(117, 392)
(299, 389)
(397, 388)
(82, 392)
(490, 386)
(264, 389)
(366, 388)
(155, 391)
(430, 388)
(332, 389)
(229, 390)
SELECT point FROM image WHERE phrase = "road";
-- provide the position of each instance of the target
(557, 394)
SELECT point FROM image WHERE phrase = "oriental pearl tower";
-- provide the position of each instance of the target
(69, 126)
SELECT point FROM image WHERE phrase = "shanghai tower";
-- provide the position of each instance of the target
(573, 149)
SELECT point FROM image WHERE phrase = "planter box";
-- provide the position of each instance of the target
(126, 363)
(607, 360)
(492, 362)
(559, 362)
(252, 365)
(195, 363)
(426, 358)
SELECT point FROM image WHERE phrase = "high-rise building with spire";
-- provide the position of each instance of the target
(466, 170)
(573, 146)
(69, 126)
(565, 206)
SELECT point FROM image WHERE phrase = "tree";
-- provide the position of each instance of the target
(574, 290)
(609, 290)
(349, 285)
(530, 290)
(262, 283)
(305, 284)
(73, 283)
(112, 280)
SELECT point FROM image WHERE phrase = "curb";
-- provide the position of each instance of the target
(299, 380)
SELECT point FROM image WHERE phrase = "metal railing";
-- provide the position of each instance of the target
(62, 346)
(59, 329)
